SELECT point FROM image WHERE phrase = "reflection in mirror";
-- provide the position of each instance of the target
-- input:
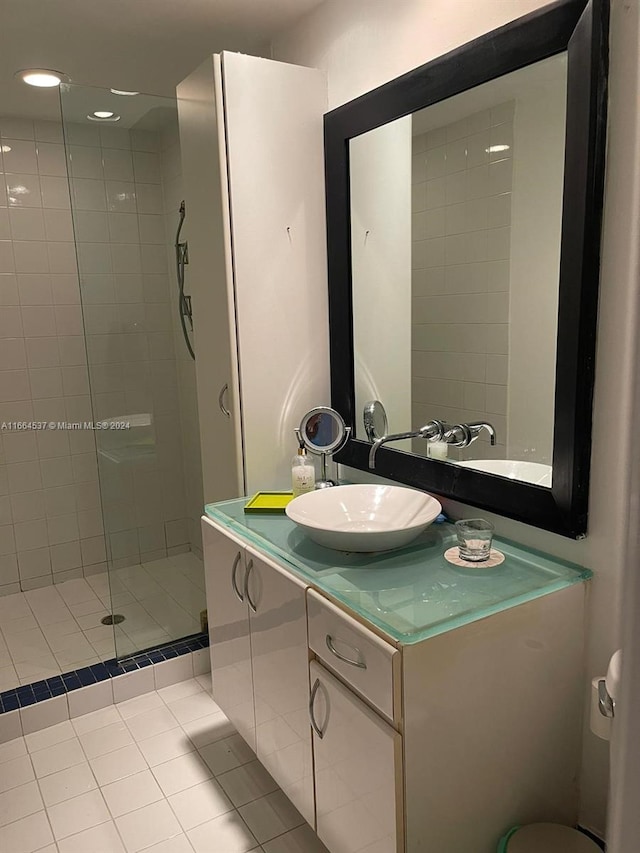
(323, 430)
(375, 420)
(455, 231)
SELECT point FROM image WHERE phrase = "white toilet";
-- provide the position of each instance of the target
(551, 837)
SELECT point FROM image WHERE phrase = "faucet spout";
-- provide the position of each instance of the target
(431, 431)
(476, 428)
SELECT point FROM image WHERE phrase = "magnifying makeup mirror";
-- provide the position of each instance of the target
(375, 420)
(324, 432)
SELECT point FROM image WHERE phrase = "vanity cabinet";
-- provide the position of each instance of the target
(259, 659)
(461, 719)
(358, 770)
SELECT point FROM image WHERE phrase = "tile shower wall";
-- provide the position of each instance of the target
(124, 278)
(51, 524)
(172, 194)
(50, 520)
(460, 256)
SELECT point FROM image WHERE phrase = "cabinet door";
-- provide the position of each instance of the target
(281, 678)
(357, 771)
(225, 567)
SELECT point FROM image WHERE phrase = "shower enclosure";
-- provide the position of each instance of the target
(124, 175)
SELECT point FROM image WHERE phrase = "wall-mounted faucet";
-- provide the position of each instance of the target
(431, 431)
(461, 435)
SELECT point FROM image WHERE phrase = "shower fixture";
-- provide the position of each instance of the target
(184, 301)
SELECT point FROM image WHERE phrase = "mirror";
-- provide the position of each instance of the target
(459, 205)
(464, 205)
(323, 430)
(376, 423)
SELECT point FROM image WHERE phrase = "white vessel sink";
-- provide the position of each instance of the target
(527, 472)
(363, 517)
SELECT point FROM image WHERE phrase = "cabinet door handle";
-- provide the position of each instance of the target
(223, 408)
(246, 586)
(359, 663)
(234, 582)
(312, 699)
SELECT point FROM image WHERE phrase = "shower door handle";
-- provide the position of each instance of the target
(221, 404)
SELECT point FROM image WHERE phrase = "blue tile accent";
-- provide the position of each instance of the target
(39, 691)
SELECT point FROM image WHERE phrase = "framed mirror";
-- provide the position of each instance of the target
(464, 206)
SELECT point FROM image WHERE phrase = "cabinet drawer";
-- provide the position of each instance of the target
(359, 656)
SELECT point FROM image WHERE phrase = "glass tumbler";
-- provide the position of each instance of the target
(474, 539)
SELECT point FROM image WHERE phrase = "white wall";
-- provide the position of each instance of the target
(361, 45)
(536, 220)
(381, 262)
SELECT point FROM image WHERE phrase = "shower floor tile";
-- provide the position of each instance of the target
(58, 628)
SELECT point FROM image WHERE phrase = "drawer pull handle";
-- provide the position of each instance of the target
(246, 587)
(234, 583)
(312, 699)
(360, 664)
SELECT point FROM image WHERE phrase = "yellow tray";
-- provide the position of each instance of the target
(269, 502)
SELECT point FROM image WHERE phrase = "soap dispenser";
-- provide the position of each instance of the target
(303, 472)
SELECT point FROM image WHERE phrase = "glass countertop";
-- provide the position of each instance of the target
(412, 593)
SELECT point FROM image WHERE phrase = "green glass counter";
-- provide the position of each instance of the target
(412, 593)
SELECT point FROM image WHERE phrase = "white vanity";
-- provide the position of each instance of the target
(401, 703)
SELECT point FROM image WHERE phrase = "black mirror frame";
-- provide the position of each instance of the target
(581, 28)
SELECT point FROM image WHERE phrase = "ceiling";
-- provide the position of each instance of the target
(140, 45)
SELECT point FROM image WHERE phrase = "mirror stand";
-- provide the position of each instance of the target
(323, 432)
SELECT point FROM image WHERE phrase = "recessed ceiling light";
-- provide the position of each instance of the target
(104, 116)
(122, 92)
(44, 78)
(495, 149)
(5, 149)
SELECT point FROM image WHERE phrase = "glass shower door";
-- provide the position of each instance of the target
(144, 454)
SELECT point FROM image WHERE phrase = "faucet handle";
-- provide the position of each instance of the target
(458, 435)
(432, 431)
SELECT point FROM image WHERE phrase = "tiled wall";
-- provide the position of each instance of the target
(460, 256)
(51, 525)
(50, 521)
(172, 194)
(124, 280)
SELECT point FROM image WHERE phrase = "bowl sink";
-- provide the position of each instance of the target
(363, 517)
(527, 472)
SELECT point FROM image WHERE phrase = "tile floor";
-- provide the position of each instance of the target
(162, 773)
(56, 629)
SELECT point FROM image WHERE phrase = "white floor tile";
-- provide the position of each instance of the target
(177, 844)
(67, 784)
(148, 826)
(16, 771)
(96, 720)
(140, 705)
(118, 765)
(301, 840)
(103, 838)
(247, 783)
(19, 802)
(180, 773)
(107, 739)
(199, 804)
(208, 729)
(132, 793)
(179, 690)
(77, 814)
(227, 832)
(50, 736)
(193, 707)
(58, 757)
(271, 816)
(226, 754)
(165, 746)
(26, 835)
(12, 749)
(115, 804)
(151, 723)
